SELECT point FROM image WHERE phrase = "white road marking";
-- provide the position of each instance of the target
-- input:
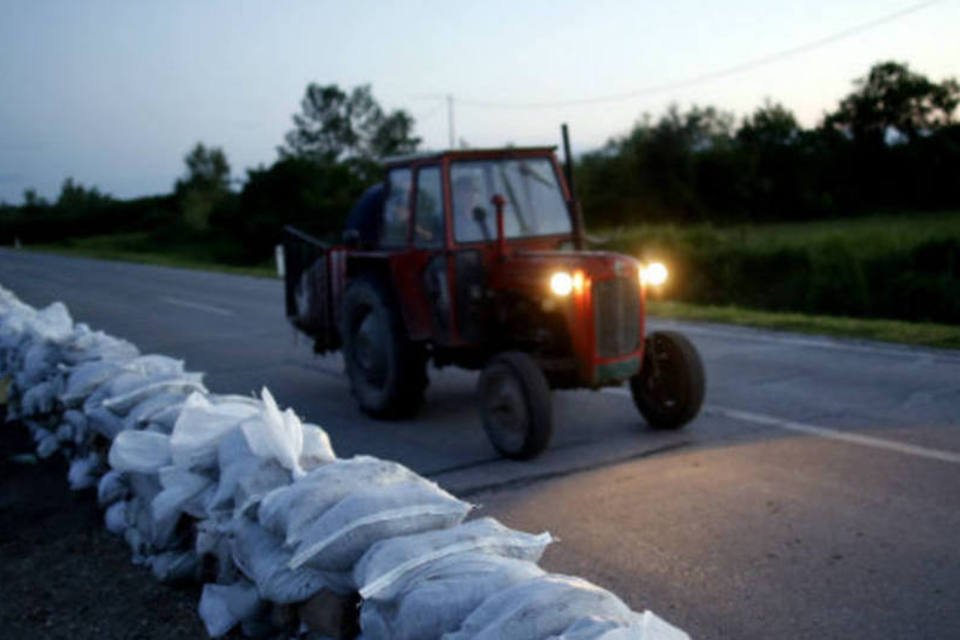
(795, 341)
(822, 432)
(199, 306)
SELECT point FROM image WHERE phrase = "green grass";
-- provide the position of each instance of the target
(139, 247)
(913, 333)
(864, 236)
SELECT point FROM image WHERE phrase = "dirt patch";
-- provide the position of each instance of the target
(63, 574)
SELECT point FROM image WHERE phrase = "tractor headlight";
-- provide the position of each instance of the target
(654, 274)
(561, 283)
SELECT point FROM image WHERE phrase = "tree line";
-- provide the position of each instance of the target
(890, 144)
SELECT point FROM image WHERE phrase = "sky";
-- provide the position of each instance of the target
(114, 93)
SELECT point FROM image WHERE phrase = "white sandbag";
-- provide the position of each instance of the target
(113, 486)
(263, 560)
(52, 323)
(87, 345)
(288, 511)
(213, 542)
(38, 363)
(140, 451)
(386, 566)
(85, 378)
(115, 517)
(142, 414)
(105, 422)
(175, 566)
(84, 472)
(180, 383)
(179, 487)
(276, 435)
(48, 445)
(317, 449)
(76, 418)
(245, 478)
(39, 399)
(65, 433)
(337, 539)
(152, 534)
(201, 425)
(643, 626)
(222, 607)
(540, 608)
(439, 596)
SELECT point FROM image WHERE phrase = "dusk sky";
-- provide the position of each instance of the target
(114, 93)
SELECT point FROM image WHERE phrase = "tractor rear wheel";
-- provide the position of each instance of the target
(387, 371)
(669, 389)
(515, 405)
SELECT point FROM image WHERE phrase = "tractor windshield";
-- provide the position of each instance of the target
(534, 201)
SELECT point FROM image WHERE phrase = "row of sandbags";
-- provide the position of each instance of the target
(234, 491)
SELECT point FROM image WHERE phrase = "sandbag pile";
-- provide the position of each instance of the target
(236, 492)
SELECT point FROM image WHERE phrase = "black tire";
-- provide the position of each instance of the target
(669, 389)
(515, 405)
(387, 371)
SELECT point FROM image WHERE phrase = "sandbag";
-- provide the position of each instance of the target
(288, 511)
(83, 472)
(203, 421)
(337, 539)
(222, 607)
(113, 486)
(642, 626)
(85, 378)
(384, 569)
(540, 608)
(178, 383)
(245, 478)
(438, 596)
(115, 517)
(179, 488)
(140, 452)
(262, 558)
(317, 449)
(276, 435)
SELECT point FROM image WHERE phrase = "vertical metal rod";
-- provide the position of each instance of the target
(567, 159)
(450, 119)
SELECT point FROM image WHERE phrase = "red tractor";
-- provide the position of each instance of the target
(475, 258)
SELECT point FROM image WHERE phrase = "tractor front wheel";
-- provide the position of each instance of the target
(669, 389)
(515, 405)
(387, 371)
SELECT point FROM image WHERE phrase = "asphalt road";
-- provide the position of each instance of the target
(817, 495)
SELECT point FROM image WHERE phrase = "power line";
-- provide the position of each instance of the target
(712, 75)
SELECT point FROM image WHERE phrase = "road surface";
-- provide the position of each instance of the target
(817, 495)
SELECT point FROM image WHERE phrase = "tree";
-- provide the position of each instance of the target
(205, 185)
(770, 125)
(334, 126)
(207, 169)
(75, 199)
(894, 99)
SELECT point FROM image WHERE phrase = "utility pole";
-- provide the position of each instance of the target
(450, 118)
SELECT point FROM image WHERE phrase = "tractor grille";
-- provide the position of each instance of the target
(616, 312)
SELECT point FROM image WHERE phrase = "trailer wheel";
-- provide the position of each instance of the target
(515, 405)
(387, 371)
(669, 389)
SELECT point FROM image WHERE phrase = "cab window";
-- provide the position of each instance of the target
(428, 218)
(396, 210)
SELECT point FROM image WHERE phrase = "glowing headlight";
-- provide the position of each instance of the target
(561, 283)
(654, 274)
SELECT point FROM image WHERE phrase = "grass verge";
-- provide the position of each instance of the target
(925, 334)
(138, 247)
